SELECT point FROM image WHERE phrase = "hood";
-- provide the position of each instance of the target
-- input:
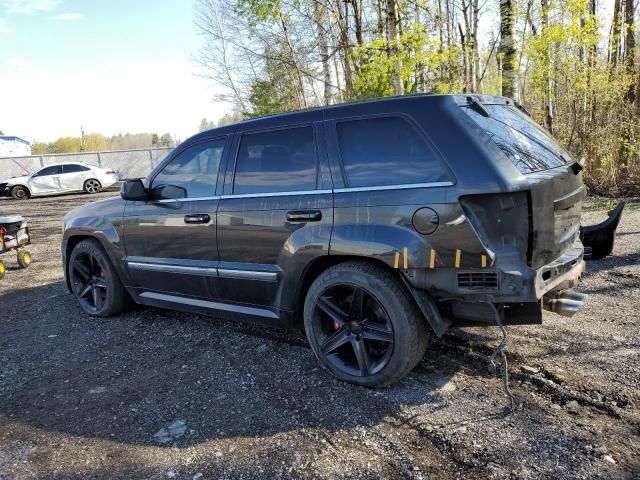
(16, 180)
(109, 207)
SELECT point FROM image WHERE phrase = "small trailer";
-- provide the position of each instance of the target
(14, 236)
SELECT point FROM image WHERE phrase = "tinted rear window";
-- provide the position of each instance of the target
(71, 168)
(528, 146)
(383, 151)
(276, 161)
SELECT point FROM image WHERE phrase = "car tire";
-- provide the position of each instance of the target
(372, 337)
(19, 192)
(95, 282)
(92, 186)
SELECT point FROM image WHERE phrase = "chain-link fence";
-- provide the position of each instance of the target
(126, 163)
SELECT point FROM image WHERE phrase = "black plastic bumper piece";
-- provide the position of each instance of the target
(598, 239)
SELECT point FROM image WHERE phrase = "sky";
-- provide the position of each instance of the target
(108, 66)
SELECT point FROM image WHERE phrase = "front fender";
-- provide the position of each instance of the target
(99, 228)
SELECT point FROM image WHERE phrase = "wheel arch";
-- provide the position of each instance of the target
(425, 304)
(320, 265)
(74, 238)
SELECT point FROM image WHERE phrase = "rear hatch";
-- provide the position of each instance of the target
(554, 179)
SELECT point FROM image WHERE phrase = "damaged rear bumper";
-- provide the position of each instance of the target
(598, 239)
(520, 293)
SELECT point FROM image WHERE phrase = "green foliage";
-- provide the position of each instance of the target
(591, 115)
(39, 148)
(277, 92)
(421, 60)
(66, 145)
(95, 142)
(206, 125)
(257, 11)
(229, 119)
(166, 140)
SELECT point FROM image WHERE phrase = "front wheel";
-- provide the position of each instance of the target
(94, 281)
(92, 186)
(363, 325)
(19, 193)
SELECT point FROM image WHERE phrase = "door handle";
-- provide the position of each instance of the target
(197, 218)
(304, 216)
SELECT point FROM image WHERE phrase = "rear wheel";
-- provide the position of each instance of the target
(19, 192)
(94, 281)
(92, 186)
(3, 269)
(363, 326)
(24, 258)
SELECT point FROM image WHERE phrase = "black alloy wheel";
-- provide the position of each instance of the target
(363, 324)
(89, 282)
(94, 282)
(355, 332)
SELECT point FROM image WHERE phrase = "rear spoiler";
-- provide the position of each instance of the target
(598, 239)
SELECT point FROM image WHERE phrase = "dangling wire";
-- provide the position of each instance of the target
(501, 349)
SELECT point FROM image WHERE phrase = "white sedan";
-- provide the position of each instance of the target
(60, 178)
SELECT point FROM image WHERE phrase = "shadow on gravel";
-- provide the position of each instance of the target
(153, 377)
(613, 261)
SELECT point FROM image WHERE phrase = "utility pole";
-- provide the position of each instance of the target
(81, 139)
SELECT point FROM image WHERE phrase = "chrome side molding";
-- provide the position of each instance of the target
(205, 271)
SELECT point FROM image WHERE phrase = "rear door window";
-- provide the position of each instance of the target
(384, 151)
(276, 161)
(71, 168)
(525, 143)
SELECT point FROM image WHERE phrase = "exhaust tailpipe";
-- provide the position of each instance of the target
(565, 302)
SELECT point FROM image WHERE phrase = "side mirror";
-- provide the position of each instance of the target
(134, 190)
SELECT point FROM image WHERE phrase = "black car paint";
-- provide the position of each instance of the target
(252, 260)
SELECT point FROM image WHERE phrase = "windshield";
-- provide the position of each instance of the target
(528, 146)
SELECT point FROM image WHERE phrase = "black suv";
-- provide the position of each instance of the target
(368, 223)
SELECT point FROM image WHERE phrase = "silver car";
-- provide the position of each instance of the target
(60, 178)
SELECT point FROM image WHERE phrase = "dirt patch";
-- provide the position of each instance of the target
(158, 394)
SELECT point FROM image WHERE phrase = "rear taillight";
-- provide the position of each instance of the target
(3, 231)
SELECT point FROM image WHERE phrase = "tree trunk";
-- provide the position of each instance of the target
(357, 16)
(302, 98)
(615, 34)
(345, 50)
(394, 43)
(319, 13)
(465, 43)
(441, 44)
(630, 46)
(507, 48)
(548, 99)
(475, 56)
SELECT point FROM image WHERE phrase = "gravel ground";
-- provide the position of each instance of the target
(158, 394)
